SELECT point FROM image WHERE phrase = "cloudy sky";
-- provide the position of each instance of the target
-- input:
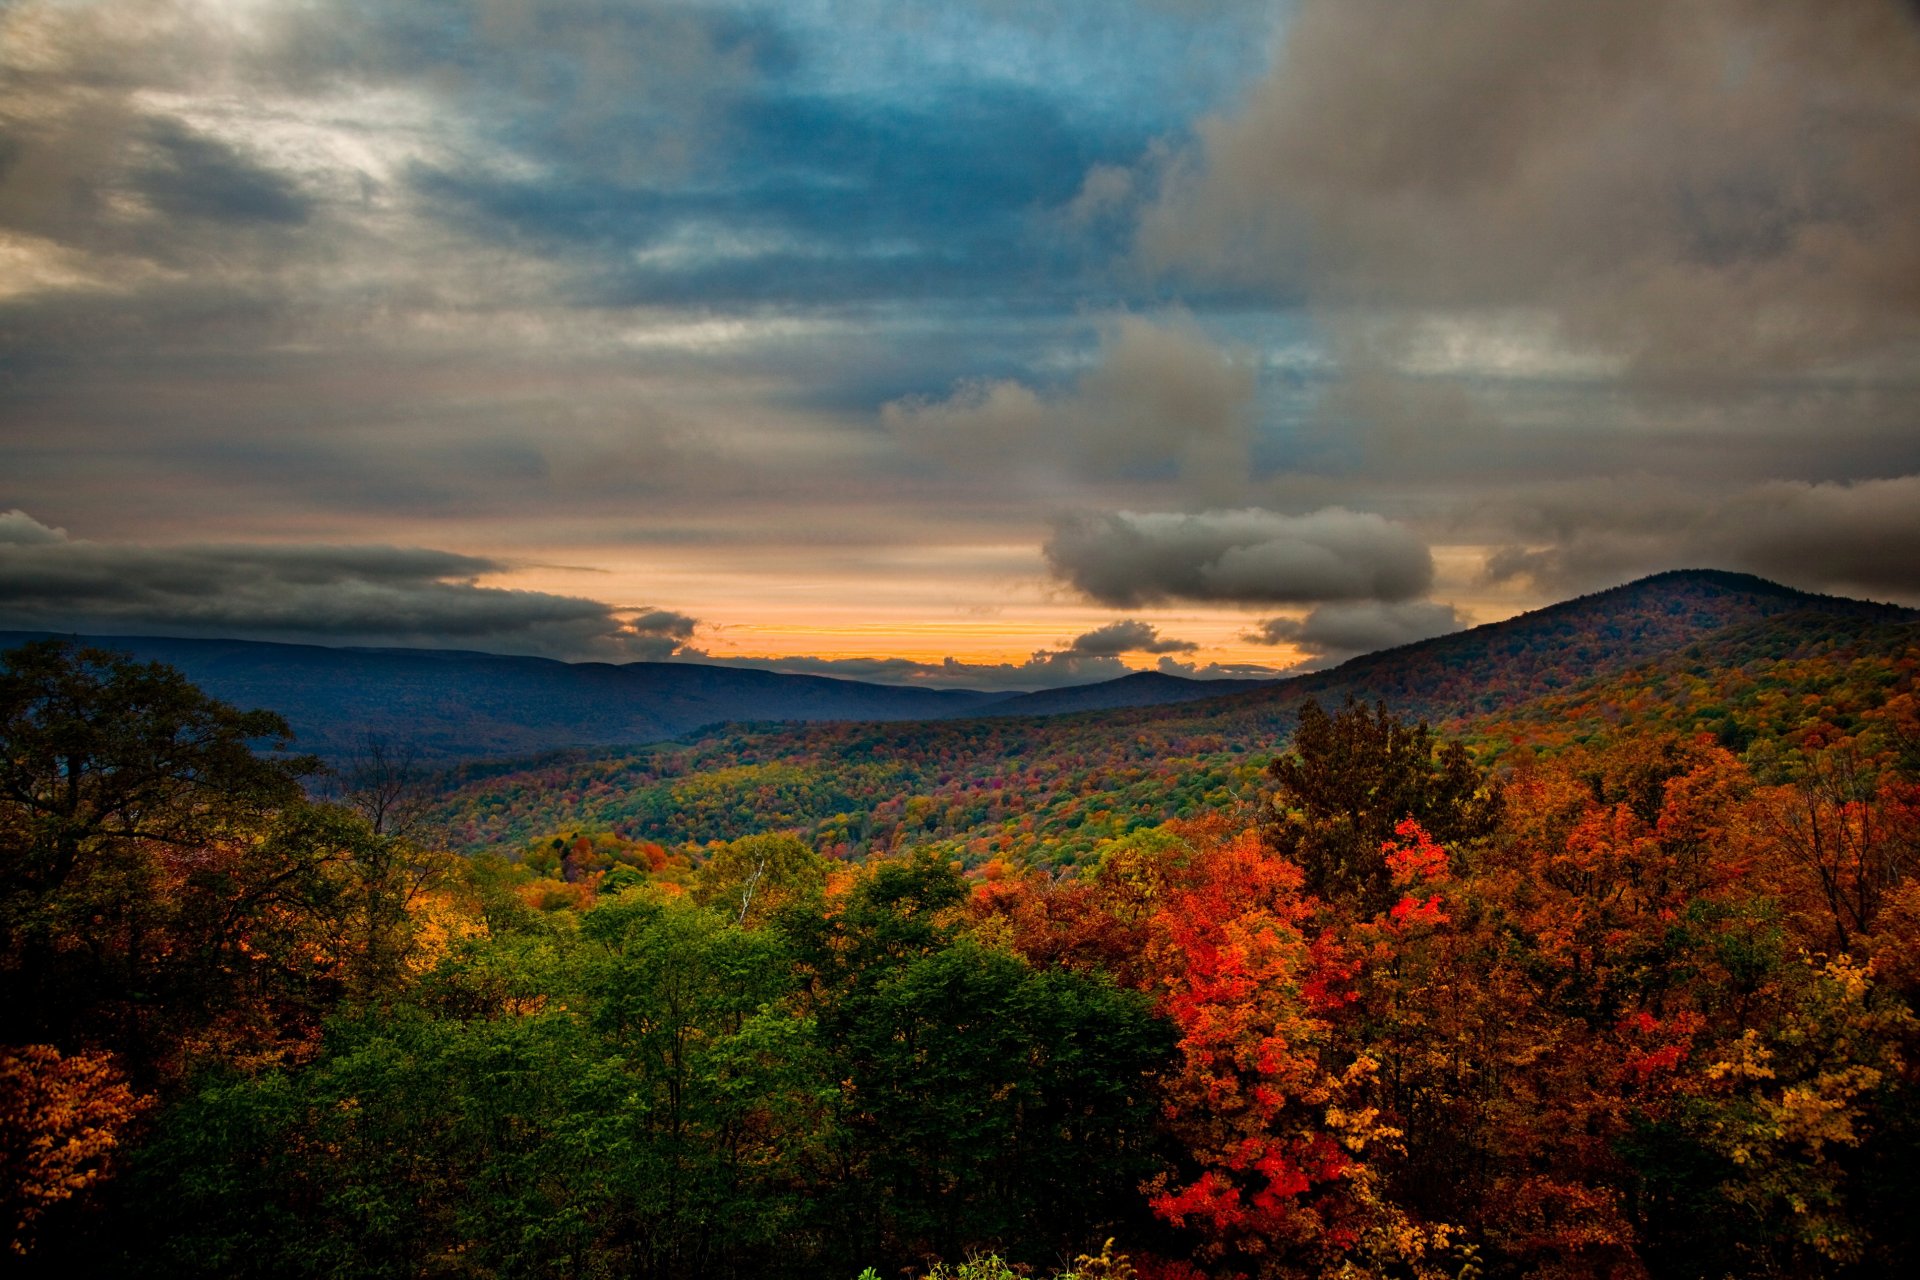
(1003, 342)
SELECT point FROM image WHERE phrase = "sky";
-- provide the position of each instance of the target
(1004, 343)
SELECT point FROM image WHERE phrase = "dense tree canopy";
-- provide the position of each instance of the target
(1634, 1005)
(1346, 783)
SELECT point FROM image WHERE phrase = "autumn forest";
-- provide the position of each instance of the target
(1583, 946)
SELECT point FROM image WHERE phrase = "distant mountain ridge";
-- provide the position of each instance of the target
(968, 780)
(455, 705)
(1141, 689)
(1500, 664)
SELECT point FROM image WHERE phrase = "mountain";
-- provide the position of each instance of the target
(1501, 664)
(455, 705)
(1053, 787)
(1141, 689)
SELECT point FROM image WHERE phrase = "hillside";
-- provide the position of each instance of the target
(455, 705)
(1053, 787)
(333, 1029)
(1141, 689)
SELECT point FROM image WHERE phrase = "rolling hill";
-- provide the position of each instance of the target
(1141, 689)
(1052, 787)
(454, 705)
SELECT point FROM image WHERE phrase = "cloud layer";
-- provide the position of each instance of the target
(1162, 399)
(1862, 537)
(1248, 556)
(327, 594)
(1717, 185)
(1340, 631)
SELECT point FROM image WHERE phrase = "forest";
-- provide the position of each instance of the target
(1604, 977)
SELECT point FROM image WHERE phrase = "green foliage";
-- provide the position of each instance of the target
(1349, 780)
(623, 1093)
(155, 874)
(663, 1092)
(749, 877)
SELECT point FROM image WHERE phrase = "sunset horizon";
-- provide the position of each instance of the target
(1222, 339)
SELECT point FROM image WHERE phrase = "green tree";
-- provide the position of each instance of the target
(1349, 779)
(134, 849)
(749, 878)
(982, 1103)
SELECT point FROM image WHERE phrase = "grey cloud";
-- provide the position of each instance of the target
(91, 159)
(663, 622)
(1161, 396)
(105, 114)
(201, 177)
(1860, 537)
(1344, 629)
(1249, 556)
(18, 529)
(340, 594)
(1218, 670)
(638, 84)
(1129, 635)
(1107, 191)
(1720, 185)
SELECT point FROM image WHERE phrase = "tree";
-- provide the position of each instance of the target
(749, 878)
(386, 784)
(129, 801)
(61, 1119)
(1347, 783)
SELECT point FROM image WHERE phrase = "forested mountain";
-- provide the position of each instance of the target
(1141, 689)
(1617, 981)
(1053, 787)
(448, 705)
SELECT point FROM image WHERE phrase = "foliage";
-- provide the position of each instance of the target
(1345, 784)
(62, 1120)
(1639, 1004)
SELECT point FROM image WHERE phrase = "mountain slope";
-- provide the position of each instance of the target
(1141, 689)
(1053, 787)
(1502, 664)
(454, 705)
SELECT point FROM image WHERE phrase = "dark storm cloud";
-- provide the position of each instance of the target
(1716, 185)
(1342, 630)
(1248, 556)
(357, 594)
(1859, 537)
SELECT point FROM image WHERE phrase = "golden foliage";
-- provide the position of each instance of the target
(61, 1119)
